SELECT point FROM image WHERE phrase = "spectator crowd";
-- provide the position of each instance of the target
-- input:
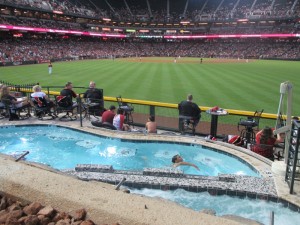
(81, 48)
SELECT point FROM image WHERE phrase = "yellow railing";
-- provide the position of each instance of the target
(171, 105)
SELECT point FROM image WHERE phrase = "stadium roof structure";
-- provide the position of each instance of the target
(178, 22)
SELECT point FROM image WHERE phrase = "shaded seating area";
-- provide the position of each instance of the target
(65, 106)
(128, 109)
(247, 127)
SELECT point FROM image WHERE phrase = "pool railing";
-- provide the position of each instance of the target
(166, 114)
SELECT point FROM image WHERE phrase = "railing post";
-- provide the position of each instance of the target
(80, 110)
(152, 110)
(271, 218)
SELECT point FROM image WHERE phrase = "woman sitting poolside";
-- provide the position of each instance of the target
(265, 142)
(6, 96)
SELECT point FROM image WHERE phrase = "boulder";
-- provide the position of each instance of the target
(79, 214)
(32, 209)
(87, 222)
(47, 211)
(32, 220)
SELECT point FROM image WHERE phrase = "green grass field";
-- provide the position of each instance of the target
(230, 85)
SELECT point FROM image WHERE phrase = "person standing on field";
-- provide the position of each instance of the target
(50, 68)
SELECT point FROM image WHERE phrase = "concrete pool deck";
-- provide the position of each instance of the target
(104, 204)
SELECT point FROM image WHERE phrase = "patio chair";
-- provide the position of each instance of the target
(128, 109)
(248, 132)
(42, 109)
(65, 105)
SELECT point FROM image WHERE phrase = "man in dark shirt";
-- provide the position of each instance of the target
(69, 93)
(94, 95)
(188, 108)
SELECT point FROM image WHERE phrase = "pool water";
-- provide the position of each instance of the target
(258, 210)
(63, 148)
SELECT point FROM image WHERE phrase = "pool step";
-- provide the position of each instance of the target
(94, 168)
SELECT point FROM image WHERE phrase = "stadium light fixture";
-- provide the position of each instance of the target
(106, 19)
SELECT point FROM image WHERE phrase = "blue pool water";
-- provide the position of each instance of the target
(223, 205)
(63, 148)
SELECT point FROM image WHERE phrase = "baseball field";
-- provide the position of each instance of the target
(229, 83)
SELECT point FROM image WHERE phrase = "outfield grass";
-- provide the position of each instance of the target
(232, 85)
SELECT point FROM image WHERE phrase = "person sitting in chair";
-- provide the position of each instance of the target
(266, 137)
(37, 93)
(5, 95)
(188, 108)
(265, 142)
(69, 93)
(94, 95)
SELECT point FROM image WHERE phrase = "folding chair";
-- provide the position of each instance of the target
(42, 109)
(3, 112)
(65, 105)
(248, 132)
(186, 123)
(92, 107)
(16, 113)
(128, 109)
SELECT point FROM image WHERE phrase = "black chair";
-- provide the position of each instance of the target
(42, 108)
(128, 109)
(3, 112)
(65, 105)
(14, 112)
(92, 107)
(248, 132)
(186, 124)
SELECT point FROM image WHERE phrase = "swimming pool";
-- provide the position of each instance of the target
(64, 148)
(224, 205)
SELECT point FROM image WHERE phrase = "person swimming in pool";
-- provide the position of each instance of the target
(177, 160)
